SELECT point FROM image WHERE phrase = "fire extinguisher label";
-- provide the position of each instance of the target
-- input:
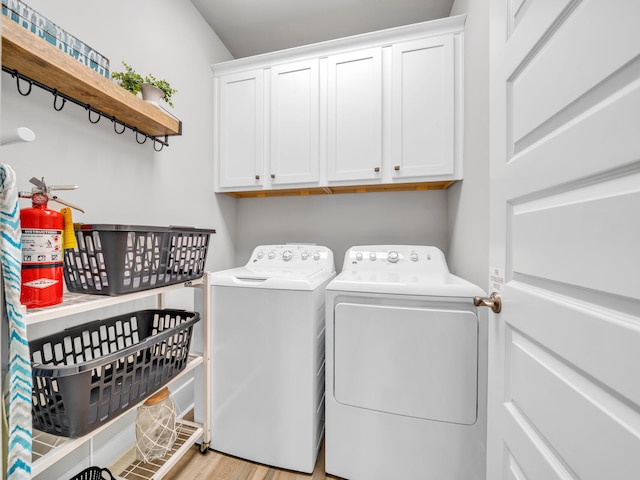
(40, 283)
(41, 246)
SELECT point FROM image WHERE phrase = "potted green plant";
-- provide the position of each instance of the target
(152, 89)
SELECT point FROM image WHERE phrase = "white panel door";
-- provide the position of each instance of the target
(422, 109)
(240, 130)
(295, 123)
(354, 112)
(564, 388)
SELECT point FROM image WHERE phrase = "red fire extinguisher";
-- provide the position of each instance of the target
(42, 252)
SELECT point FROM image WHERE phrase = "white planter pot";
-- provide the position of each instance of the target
(151, 94)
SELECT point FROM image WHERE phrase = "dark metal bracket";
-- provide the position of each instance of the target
(92, 111)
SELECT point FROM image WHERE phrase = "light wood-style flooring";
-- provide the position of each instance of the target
(218, 466)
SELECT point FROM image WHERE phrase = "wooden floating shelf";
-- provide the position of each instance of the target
(41, 61)
(294, 192)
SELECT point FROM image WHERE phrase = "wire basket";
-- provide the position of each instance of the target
(94, 473)
(118, 259)
(87, 375)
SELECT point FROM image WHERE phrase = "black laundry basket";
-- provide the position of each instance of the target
(118, 259)
(94, 473)
(89, 374)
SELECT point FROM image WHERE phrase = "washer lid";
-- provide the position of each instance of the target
(284, 267)
(275, 278)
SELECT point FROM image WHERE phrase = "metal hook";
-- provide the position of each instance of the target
(55, 101)
(137, 140)
(155, 143)
(115, 124)
(24, 94)
(99, 115)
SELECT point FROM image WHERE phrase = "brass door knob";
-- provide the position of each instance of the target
(257, 177)
(273, 175)
(396, 168)
(377, 169)
(494, 302)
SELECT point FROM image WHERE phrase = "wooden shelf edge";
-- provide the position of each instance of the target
(41, 61)
(293, 192)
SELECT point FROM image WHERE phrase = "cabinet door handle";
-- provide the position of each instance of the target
(257, 177)
(273, 175)
(396, 168)
(377, 169)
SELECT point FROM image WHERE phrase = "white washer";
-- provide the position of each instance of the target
(268, 356)
(406, 368)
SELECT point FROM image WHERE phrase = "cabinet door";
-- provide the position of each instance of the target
(423, 108)
(240, 130)
(354, 115)
(295, 124)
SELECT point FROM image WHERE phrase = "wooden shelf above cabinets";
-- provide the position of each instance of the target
(33, 57)
(293, 192)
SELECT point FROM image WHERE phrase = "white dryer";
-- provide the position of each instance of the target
(406, 368)
(268, 356)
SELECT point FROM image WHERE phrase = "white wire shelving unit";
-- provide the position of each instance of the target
(49, 449)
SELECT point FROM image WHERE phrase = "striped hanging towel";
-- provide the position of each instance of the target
(18, 395)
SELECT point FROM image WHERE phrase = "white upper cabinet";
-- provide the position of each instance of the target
(354, 116)
(295, 123)
(239, 147)
(422, 108)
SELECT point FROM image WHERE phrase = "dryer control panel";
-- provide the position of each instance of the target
(402, 257)
(291, 255)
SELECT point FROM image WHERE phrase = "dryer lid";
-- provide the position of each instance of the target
(402, 270)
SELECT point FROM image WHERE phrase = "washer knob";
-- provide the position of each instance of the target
(393, 257)
(260, 255)
(316, 256)
(359, 256)
(287, 255)
(414, 257)
(304, 255)
(372, 256)
(272, 255)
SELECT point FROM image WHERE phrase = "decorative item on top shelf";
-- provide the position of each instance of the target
(152, 89)
(87, 375)
(39, 25)
(118, 259)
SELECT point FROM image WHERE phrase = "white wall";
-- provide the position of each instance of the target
(342, 221)
(468, 201)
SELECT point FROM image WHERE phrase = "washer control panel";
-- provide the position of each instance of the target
(290, 255)
(401, 257)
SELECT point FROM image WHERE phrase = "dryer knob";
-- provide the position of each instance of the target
(316, 256)
(260, 255)
(372, 256)
(393, 257)
(359, 256)
(272, 255)
(287, 255)
(304, 255)
(414, 257)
